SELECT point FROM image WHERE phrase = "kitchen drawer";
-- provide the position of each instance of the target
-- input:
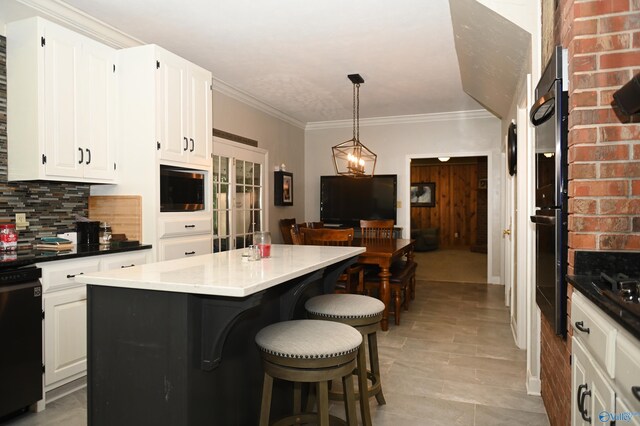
(628, 369)
(127, 260)
(192, 225)
(177, 248)
(59, 275)
(598, 334)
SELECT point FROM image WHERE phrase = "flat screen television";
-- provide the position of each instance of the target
(346, 200)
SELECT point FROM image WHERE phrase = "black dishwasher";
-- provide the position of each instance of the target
(20, 338)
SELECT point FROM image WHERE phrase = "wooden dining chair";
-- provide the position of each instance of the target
(352, 281)
(296, 237)
(403, 273)
(285, 229)
(326, 236)
(376, 229)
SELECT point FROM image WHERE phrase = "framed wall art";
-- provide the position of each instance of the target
(283, 189)
(423, 194)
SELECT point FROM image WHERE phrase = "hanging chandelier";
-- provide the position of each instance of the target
(352, 158)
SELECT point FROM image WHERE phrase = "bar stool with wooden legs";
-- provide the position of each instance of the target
(309, 351)
(364, 314)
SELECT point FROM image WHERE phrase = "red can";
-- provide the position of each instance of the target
(8, 237)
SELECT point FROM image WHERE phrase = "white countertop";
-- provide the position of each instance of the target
(224, 274)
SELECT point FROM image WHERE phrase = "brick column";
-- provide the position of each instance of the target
(603, 42)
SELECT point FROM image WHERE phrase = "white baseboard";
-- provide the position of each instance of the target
(494, 280)
(534, 385)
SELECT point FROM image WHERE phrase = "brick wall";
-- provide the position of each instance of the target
(603, 42)
(603, 38)
(50, 206)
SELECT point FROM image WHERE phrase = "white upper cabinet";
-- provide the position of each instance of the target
(183, 95)
(61, 88)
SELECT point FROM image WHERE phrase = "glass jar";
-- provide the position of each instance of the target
(105, 233)
(8, 237)
(263, 241)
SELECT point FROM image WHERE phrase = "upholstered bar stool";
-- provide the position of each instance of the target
(364, 314)
(309, 351)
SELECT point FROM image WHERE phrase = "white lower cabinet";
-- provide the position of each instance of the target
(605, 368)
(65, 335)
(592, 395)
(179, 247)
(65, 312)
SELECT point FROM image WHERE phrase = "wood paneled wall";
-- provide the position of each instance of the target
(456, 208)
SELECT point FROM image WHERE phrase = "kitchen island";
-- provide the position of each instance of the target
(172, 343)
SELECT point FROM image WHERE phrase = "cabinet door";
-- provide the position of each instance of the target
(97, 112)
(627, 413)
(65, 333)
(579, 383)
(176, 248)
(592, 395)
(62, 68)
(171, 107)
(628, 370)
(200, 128)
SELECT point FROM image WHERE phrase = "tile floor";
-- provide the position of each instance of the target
(452, 361)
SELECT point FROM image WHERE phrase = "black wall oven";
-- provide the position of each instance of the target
(549, 115)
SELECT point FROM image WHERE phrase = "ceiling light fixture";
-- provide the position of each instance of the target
(444, 159)
(352, 158)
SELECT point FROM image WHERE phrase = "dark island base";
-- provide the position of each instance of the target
(163, 358)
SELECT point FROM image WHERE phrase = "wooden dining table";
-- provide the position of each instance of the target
(383, 252)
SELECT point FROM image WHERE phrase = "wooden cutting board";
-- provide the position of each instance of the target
(122, 212)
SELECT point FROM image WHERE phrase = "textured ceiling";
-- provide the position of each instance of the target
(294, 56)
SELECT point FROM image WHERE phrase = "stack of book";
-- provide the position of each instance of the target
(53, 243)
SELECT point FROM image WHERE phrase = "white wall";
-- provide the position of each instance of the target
(283, 141)
(397, 140)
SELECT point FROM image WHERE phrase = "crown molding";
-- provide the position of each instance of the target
(403, 119)
(77, 20)
(247, 99)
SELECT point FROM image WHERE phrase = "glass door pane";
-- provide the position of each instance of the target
(238, 181)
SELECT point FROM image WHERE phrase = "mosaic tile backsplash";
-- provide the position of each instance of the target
(50, 206)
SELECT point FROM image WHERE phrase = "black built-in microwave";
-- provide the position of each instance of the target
(181, 189)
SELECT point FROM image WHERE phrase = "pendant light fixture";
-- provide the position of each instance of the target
(352, 158)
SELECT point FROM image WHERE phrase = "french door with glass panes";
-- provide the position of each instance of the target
(239, 194)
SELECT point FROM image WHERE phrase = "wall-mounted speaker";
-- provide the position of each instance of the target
(628, 96)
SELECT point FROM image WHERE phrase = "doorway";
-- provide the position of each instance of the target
(461, 204)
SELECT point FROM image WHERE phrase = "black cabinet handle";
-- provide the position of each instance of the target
(189, 226)
(73, 275)
(193, 145)
(127, 266)
(186, 144)
(81, 156)
(88, 155)
(635, 390)
(580, 326)
(585, 412)
(187, 253)
(579, 400)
